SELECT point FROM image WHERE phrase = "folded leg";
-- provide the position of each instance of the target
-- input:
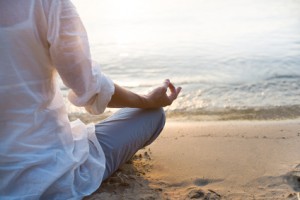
(126, 132)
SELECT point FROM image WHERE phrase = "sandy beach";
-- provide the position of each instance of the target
(213, 160)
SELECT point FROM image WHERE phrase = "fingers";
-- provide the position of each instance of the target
(166, 83)
(174, 95)
(172, 88)
(174, 92)
(178, 90)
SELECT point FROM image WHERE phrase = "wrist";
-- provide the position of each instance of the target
(145, 101)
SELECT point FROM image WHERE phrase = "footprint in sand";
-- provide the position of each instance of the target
(197, 193)
(204, 195)
(204, 181)
(293, 178)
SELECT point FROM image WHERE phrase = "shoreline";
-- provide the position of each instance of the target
(214, 160)
(271, 113)
(190, 117)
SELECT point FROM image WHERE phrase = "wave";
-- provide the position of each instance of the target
(270, 113)
(285, 77)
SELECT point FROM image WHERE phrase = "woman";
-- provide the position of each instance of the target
(42, 154)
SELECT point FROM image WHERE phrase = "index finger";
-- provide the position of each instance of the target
(174, 94)
(166, 83)
(172, 88)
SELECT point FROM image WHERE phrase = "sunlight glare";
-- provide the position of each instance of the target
(142, 22)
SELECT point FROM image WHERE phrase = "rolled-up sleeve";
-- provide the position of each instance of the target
(70, 54)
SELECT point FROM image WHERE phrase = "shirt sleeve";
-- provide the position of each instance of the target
(70, 54)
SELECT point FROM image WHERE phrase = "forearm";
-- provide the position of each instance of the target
(157, 98)
(125, 98)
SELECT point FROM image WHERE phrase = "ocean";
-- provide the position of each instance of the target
(234, 59)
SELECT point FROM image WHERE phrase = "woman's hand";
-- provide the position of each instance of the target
(155, 99)
(159, 96)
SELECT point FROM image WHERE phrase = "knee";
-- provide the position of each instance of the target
(159, 117)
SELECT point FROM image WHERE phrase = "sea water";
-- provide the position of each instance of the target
(233, 58)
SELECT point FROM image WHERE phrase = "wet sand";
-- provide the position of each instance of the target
(213, 160)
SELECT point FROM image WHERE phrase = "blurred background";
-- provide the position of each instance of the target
(235, 59)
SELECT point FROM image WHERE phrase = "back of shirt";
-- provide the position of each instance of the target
(42, 154)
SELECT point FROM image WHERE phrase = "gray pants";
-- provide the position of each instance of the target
(127, 131)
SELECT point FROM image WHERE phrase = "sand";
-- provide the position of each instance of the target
(213, 160)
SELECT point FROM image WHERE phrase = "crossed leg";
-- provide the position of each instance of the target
(126, 132)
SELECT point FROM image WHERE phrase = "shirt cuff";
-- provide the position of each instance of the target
(100, 101)
(98, 94)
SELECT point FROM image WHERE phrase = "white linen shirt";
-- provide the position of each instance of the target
(42, 154)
